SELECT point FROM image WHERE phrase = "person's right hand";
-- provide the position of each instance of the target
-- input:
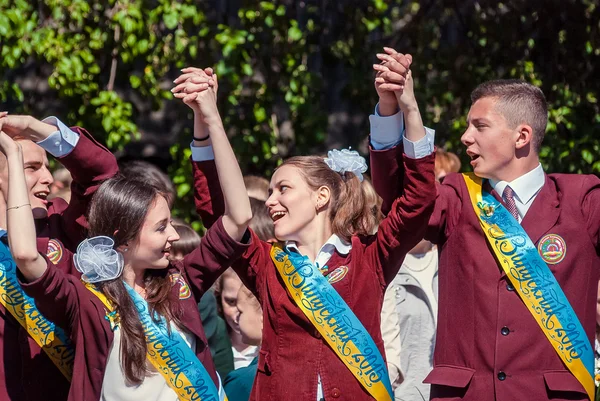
(8, 145)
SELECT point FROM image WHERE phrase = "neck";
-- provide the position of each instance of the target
(310, 245)
(516, 169)
(236, 341)
(134, 278)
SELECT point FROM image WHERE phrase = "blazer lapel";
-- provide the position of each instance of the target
(543, 213)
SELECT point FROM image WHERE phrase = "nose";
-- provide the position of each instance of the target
(271, 200)
(173, 234)
(467, 136)
(46, 176)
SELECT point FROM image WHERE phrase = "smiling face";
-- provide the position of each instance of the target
(150, 250)
(292, 203)
(37, 177)
(490, 142)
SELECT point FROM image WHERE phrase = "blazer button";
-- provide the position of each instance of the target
(317, 334)
(501, 376)
(510, 287)
(505, 331)
(335, 393)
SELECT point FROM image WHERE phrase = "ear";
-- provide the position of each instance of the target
(323, 197)
(524, 136)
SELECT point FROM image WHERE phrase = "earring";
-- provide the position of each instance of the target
(125, 250)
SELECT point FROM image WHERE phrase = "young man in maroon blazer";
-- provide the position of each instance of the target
(26, 373)
(488, 345)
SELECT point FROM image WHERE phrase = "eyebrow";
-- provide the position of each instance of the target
(33, 163)
(160, 223)
(478, 120)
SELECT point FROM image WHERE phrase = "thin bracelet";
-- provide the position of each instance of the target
(204, 138)
(16, 207)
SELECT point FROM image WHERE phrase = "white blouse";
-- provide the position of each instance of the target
(153, 388)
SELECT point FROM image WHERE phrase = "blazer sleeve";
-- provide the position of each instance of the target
(208, 197)
(216, 252)
(406, 223)
(253, 263)
(90, 164)
(447, 210)
(387, 175)
(57, 296)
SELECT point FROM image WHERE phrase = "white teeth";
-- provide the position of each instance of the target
(276, 215)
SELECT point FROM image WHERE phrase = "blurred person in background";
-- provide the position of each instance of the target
(61, 187)
(238, 384)
(141, 170)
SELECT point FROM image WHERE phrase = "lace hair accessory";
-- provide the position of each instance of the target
(346, 160)
(97, 260)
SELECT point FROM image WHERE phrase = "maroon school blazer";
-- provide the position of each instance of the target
(26, 373)
(488, 346)
(292, 352)
(65, 300)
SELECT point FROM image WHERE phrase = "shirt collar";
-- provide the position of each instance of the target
(334, 242)
(525, 187)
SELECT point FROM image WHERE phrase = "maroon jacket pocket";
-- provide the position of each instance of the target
(562, 380)
(452, 376)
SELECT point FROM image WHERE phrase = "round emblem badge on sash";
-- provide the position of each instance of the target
(54, 251)
(552, 248)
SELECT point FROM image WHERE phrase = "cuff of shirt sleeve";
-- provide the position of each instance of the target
(202, 153)
(421, 148)
(386, 132)
(61, 142)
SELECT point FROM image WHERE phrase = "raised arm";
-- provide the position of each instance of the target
(203, 101)
(88, 161)
(19, 217)
(407, 220)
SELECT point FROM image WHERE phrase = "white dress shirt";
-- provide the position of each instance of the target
(526, 188)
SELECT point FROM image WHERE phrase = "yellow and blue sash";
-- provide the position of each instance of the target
(535, 283)
(334, 319)
(169, 353)
(50, 338)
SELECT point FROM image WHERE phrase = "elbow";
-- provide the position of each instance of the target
(24, 258)
(245, 219)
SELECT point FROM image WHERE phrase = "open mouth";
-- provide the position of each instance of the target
(277, 215)
(42, 195)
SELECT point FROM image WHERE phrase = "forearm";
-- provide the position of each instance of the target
(22, 240)
(237, 205)
(38, 130)
(413, 123)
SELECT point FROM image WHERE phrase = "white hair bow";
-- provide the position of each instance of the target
(346, 160)
(97, 260)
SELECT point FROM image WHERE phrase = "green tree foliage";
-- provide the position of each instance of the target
(295, 76)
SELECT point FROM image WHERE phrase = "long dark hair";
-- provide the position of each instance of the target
(118, 210)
